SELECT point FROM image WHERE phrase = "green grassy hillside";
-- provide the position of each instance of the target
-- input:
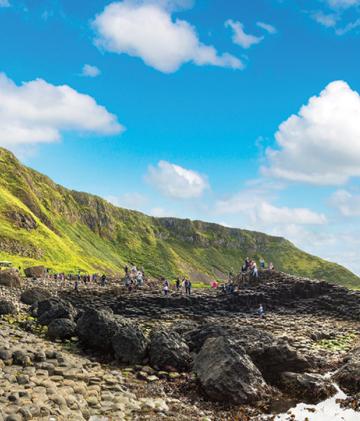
(44, 223)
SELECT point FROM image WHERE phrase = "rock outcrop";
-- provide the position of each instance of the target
(35, 272)
(10, 278)
(34, 295)
(348, 376)
(227, 374)
(309, 388)
(169, 350)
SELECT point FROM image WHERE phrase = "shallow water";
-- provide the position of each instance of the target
(327, 410)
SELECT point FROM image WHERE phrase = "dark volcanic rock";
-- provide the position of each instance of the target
(10, 278)
(33, 295)
(61, 329)
(197, 337)
(168, 349)
(274, 359)
(54, 308)
(129, 342)
(228, 375)
(348, 376)
(7, 307)
(96, 329)
(310, 388)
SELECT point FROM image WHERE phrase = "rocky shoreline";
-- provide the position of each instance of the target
(204, 357)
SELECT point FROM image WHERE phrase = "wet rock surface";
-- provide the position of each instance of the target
(348, 376)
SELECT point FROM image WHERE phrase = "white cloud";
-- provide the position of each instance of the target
(321, 144)
(4, 3)
(90, 71)
(342, 4)
(329, 20)
(128, 200)
(347, 203)
(240, 37)
(267, 27)
(159, 212)
(175, 181)
(148, 31)
(349, 27)
(256, 206)
(38, 112)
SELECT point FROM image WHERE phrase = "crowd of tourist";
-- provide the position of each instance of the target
(135, 279)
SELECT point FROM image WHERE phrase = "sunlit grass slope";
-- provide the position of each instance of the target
(44, 223)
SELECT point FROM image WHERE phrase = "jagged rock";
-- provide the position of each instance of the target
(7, 307)
(310, 388)
(274, 359)
(54, 308)
(96, 329)
(348, 376)
(168, 349)
(61, 329)
(227, 374)
(197, 337)
(129, 342)
(10, 278)
(33, 295)
(35, 272)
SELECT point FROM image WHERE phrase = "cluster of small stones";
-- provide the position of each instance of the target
(40, 380)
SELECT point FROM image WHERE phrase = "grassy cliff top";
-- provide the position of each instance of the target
(44, 223)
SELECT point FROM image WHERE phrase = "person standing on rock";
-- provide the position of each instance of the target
(166, 287)
(261, 311)
(76, 285)
(188, 287)
(262, 263)
(103, 280)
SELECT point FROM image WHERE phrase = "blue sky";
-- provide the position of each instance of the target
(241, 113)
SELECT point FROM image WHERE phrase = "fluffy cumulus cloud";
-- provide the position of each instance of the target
(175, 181)
(38, 112)
(346, 202)
(256, 206)
(90, 71)
(146, 29)
(240, 37)
(320, 144)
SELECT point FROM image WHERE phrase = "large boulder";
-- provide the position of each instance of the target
(96, 329)
(247, 337)
(196, 338)
(54, 308)
(10, 278)
(309, 388)
(61, 329)
(7, 307)
(168, 349)
(348, 376)
(34, 295)
(227, 374)
(276, 358)
(129, 342)
(35, 272)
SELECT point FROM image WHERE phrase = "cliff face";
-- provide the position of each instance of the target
(44, 223)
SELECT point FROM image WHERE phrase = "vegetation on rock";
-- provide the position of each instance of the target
(43, 223)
